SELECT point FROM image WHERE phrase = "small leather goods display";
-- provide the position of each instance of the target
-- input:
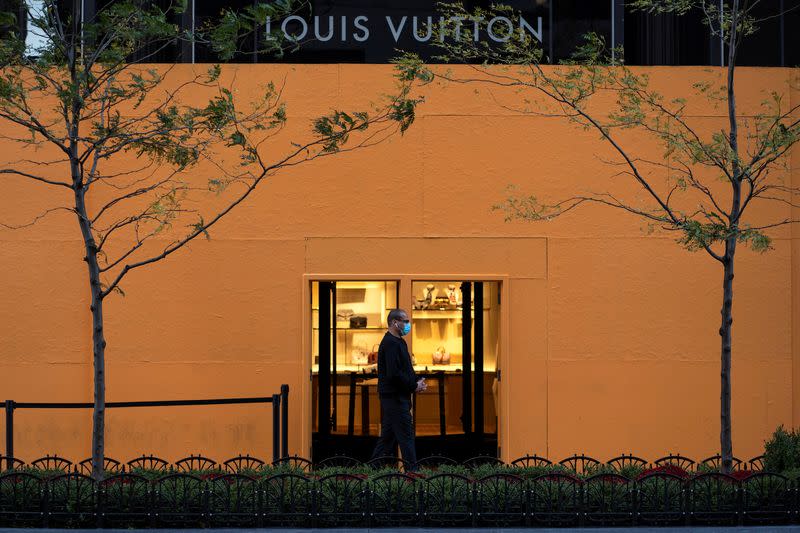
(358, 321)
(344, 314)
(359, 355)
(442, 303)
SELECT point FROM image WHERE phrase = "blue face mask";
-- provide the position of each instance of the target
(406, 329)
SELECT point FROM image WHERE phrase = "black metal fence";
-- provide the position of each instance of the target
(280, 416)
(531, 491)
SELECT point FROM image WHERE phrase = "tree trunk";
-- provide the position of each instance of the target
(99, 352)
(98, 339)
(726, 443)
(73, 122)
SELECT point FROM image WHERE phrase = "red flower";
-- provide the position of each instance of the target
(742, 474)
(119, 481)
(613, 478)
(675, 470)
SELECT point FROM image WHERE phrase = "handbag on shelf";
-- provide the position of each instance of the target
(441, 356)
(358, 321)
(372, 357)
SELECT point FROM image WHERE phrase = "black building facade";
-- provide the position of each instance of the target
(373, 31)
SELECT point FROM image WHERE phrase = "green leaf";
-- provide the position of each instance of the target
(237, 138)
(214, 73)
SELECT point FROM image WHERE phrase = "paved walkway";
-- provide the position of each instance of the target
(764, 529)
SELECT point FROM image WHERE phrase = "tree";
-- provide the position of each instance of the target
(84, 96)
(748, 157)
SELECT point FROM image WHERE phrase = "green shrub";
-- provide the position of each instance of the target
(782, 451)
(792, 474)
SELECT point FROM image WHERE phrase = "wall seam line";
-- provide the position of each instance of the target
(547, 344)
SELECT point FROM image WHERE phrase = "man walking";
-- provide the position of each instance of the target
(396, 382)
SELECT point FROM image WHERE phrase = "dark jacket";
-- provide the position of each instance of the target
(396, 376)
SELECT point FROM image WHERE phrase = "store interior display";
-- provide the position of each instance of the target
(437, 335)
(361, 309)
(437, 297)
(358, 311)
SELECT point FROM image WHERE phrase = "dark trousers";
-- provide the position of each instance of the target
(397, 428)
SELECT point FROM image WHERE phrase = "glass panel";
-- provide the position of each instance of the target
(391, 296)
(436, 331)
(436, 334)
(361, 310)
(315, 326)
(360, 322)
(491, 320)
(436, 345)
(491, 351)
(360, 319)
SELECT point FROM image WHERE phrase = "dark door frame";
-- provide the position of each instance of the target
(476, 407)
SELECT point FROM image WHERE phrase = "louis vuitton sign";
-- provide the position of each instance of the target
(360, 28)
(373, 31)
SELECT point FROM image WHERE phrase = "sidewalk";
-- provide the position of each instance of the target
(763, 529)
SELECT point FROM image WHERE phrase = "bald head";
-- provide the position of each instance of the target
(396, 314)
(398, 322)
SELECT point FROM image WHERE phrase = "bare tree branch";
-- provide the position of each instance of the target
(37, 218)
(35, 177)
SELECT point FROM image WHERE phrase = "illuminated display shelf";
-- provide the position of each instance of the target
(420, 369)
(441, 326)
(440, 314)
(368, 328)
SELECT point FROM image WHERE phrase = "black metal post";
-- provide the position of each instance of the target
(466, 331)
(783, 35)
(284, 420)
(10, 434)
(22, 20)
(324, 379)
(45, 512)
(617, 26)
(351, 405)
(364, 409)
(478, 357)
(442, 422)
(186, 23)
(276, 427)
(89, 11)
(414, 410)
(550, 31)
(334, 357)
(255, 36)
(99, 504)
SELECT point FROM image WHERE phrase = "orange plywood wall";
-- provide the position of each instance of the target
(610, 341)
